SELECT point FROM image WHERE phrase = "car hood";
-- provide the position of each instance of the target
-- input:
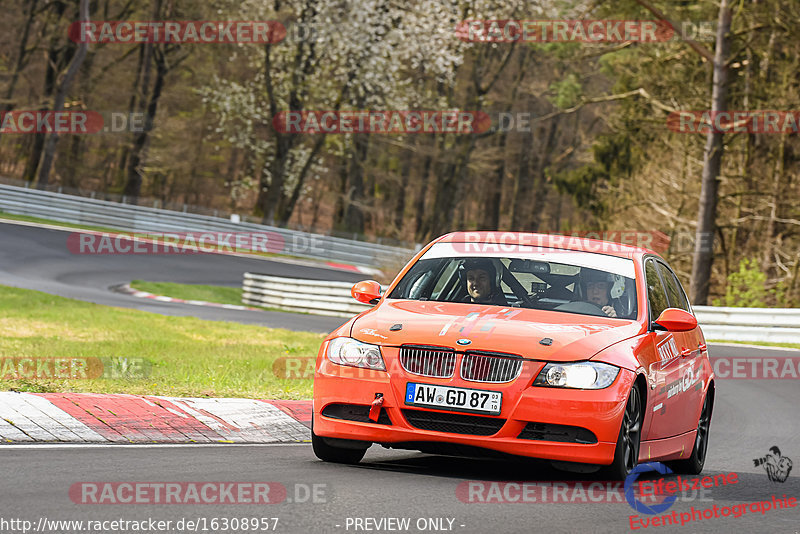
(520, 331)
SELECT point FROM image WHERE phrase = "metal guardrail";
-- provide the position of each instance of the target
(774, 325)
(132, 218)
(333, 298)
(297, 295)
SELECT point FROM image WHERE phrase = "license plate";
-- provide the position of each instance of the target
(456, 399)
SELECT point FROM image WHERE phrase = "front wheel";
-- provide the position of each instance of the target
(330, 453)
(626, 453)
(693, 465)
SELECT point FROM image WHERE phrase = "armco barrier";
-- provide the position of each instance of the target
(333, 298)
(131, 218)
(297, 295)
(774, 325)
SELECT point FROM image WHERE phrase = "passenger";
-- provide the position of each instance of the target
(482, 286)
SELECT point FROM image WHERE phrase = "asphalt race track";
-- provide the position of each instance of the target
(750, 416)
(38, 258)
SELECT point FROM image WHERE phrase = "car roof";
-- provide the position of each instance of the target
(563, 242)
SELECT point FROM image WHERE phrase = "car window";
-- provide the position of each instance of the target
(675, 294)
(565, 281)
(656, 295)
(441, 283)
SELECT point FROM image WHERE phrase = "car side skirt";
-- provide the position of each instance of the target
(674, 448)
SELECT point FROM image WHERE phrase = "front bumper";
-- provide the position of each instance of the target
(598, 411)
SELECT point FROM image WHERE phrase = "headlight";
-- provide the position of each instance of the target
(581, 375)
(349, 351)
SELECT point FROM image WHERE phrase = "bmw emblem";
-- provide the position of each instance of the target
(463, 341)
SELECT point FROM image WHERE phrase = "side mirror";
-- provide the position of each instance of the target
(677, 320)
(368, 292)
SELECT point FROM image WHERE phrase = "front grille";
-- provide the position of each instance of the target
(560, 433)
(487, 367)
(354, 412)
(454, 423)
(427, 361)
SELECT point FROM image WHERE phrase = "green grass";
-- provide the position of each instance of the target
(760, 343)
(181, 356)
(40, 220)
(218, 294)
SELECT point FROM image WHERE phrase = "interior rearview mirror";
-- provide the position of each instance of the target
(529, 266)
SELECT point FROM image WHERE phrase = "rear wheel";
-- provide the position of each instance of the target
(626, 454)
(350, 453)
(693, 465)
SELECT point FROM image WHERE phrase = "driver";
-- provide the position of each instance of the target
(481, 280)
(597, 290)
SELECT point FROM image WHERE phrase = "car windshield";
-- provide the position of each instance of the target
(538, 278)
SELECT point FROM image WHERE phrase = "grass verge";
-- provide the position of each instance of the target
(759, 343)
(218, 294)
(40, 220)
(180, 356)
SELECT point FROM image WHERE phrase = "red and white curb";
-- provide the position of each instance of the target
(99, 418)
(126, 289)
(354, 268)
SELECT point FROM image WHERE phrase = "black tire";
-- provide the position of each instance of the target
(626, 453)
(330, 453)
(693, 465)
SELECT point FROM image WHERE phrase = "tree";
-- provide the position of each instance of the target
(63, 87)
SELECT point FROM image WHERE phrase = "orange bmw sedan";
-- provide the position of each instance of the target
(552, 347)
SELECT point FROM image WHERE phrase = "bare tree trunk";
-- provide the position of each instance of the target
(712, 163)
(286, 208)
(133, 185)
(494, 189)
(400, 193)
(54, 62)
(441, 217)
(22, 56)
(354, 210)
(778, 172)
(422, 194)
(66, 82)
(522, 184)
